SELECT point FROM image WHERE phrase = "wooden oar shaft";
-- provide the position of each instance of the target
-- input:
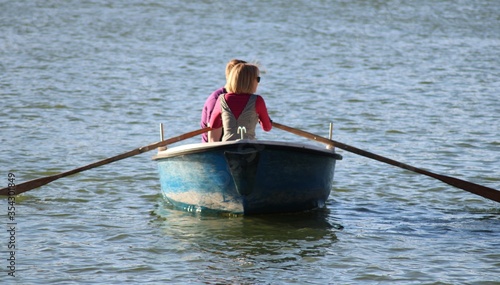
(474, 188)
(35, 183)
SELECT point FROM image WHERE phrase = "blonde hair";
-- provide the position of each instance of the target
(243, 78)
(231, 64)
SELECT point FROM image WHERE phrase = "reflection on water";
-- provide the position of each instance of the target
(251, 240)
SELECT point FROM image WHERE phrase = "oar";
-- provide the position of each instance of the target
(474, 188)
(35, 183)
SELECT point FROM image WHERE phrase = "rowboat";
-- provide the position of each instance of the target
(246, 176)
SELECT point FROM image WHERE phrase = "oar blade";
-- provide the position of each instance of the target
(473, 188)
(28, 185)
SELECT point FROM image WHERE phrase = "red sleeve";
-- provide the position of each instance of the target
(261, 109)
(216, 118)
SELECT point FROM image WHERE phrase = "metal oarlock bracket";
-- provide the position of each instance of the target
(162, 138)
(331, 130)
(330, 135)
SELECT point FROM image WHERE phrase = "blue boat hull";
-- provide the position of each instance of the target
(246, 177)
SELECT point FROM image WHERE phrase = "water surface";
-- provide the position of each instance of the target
(417, 82)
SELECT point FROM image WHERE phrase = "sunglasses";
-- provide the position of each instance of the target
(258, 79)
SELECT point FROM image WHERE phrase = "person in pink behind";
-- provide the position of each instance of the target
(239, 110)
(212, 99)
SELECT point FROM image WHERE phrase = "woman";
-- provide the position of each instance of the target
(239, 110)
(208, 108)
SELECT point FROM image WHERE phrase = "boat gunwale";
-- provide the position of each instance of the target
(202, 147)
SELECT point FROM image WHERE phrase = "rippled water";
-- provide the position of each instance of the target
(414, 81)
